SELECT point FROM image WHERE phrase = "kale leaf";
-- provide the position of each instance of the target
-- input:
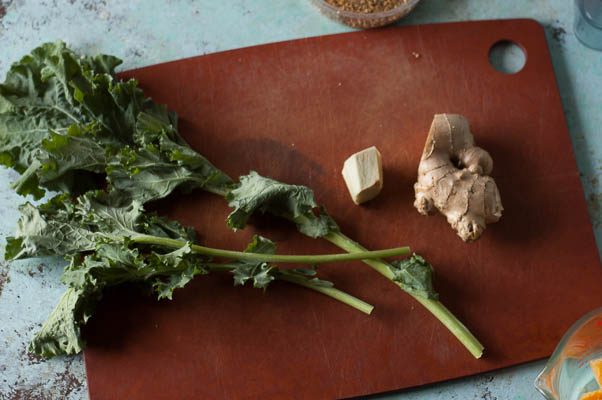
(61, 333)
(65, 227)
(415, 275)
(293, 202)
(65, 119)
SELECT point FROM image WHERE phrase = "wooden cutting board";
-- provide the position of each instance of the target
(294, 111)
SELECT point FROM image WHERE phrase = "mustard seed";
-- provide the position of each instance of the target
(366, 6)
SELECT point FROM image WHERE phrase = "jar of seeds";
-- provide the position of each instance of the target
(365, 13)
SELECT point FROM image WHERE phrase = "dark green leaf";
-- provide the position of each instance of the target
(49, 230)
(37, 97)
(63, 227)
(165, 287)
(13, 247)
(109, 264)
(180, 266)
(415, 275)
(260, 273)
(154, 170)
(293, 202)
(147, 174)
(262, 245)
(155, 225)
(60, 334)
(64, 117)
(22, 132)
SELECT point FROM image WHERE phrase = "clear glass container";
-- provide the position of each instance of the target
(365, 19)
(567, 375)
(588, 23)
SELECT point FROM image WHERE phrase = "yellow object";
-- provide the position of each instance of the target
(596, 366)
(363, 174)
(597, 395)
(597, 369)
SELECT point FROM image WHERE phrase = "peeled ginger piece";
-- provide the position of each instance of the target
(363, 175)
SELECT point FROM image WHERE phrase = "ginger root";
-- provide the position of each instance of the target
(363, 175)
(453, 178)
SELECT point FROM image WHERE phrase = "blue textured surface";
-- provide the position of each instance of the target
(145, 32)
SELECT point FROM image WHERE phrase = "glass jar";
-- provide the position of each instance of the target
(567, 375)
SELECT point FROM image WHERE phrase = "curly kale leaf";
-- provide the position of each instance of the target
(415, 275)
(260, 273)
(61, 333)
(65, 227)
(110, 264)
(66, 119)
(53, 228)
(154, 171)
(50, 91)
(293, 202)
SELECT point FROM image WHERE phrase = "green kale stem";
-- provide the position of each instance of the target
(282, 274)
(445, 316)
(26, 175)
(299, 259)
(457, 328)
(332, 292)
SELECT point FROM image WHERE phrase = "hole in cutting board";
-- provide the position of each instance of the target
(507, 57)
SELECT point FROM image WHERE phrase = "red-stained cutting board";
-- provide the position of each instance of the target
(294, 111)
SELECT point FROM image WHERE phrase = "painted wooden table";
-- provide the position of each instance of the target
(145, 32)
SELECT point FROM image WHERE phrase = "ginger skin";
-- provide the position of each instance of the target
(453, 178)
